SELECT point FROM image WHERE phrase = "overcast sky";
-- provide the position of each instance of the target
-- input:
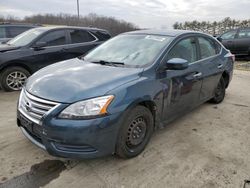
(144, 13)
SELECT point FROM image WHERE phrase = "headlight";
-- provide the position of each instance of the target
(84, 109)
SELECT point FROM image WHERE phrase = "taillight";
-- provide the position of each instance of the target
(230, 55)
(233, 57)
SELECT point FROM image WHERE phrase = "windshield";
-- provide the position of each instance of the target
(130, 50)
(26, 37)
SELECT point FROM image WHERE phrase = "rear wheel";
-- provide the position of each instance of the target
(220, 92)
(135, 133)
(13, 78)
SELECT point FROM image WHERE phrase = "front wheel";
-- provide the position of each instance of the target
(220, 92)
(13, 78)
(135, 132)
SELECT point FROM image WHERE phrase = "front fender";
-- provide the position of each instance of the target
(141, 90)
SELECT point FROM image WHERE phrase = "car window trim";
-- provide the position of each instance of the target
(46, 47)
(207, 58)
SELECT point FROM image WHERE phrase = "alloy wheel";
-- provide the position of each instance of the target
(15, 80)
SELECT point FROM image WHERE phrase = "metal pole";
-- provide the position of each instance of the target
(78, 15)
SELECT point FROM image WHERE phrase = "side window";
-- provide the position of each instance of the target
(229, 35)
(207, 47)
(244, 33)
(80, 36)
(102, 35)
(54, 38)
(218, 47)
(185, 49)
(14, 31)
(2, 32)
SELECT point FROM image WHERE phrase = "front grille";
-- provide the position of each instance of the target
(34, 108)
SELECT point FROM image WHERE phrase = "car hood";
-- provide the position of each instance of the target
(74, 80)
(5, 47)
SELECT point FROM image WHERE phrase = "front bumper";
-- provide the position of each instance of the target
(74, 138)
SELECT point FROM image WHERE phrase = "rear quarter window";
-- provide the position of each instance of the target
(102, 35)
(80, 36)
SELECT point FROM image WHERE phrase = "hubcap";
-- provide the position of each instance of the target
(16, 80)
(136, 132)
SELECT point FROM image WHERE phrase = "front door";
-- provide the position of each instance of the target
(54, 50)
(184, 85)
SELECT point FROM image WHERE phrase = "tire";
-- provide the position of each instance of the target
(13, 78)
(220, 92)
(135, 132)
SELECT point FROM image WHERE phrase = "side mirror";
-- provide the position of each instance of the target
(219, 39)
(39, 45)
(177, 64)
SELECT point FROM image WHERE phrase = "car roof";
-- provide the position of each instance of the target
(172, 33)
(47, 28)
(4, 24)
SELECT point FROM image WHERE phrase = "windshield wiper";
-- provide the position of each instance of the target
(112, 63)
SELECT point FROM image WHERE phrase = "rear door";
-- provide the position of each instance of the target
(212, 66)
(81, 41)
(184, 85)
(242, 42)
(228, 40)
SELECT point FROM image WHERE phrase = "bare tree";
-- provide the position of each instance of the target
(113, 25)
(213, 28)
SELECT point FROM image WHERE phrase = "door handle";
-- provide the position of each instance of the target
(199, 74)
(220, 66)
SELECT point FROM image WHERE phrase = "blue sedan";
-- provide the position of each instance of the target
(112, 100)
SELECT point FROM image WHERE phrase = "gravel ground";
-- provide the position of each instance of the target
(242, 65)
(208, 147)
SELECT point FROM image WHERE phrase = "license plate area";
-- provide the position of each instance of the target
(25, 122)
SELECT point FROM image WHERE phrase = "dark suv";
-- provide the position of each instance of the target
(42, 46)
(9, 31)
(237, 41)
